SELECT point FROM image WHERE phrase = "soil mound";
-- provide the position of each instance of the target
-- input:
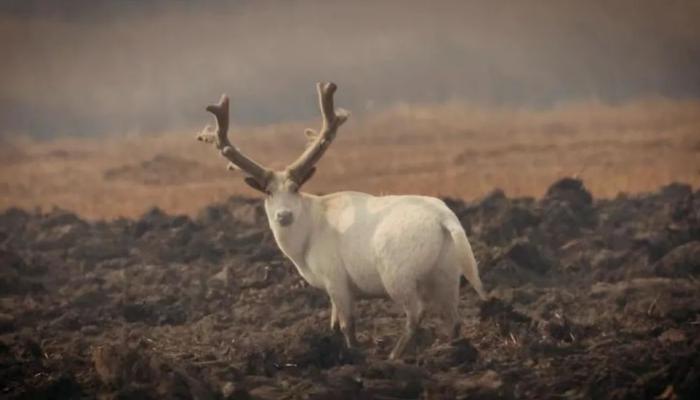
(589, 299)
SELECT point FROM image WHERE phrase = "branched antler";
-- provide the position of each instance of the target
(302, 169)
(220, 138)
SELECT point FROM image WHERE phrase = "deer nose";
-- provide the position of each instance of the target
(284, 218)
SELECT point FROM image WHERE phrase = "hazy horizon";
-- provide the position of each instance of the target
(97, 66)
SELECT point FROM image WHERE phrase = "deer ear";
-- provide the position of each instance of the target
(252, 182)
(308, 176)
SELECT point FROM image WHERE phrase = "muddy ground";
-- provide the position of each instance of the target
(589, 299)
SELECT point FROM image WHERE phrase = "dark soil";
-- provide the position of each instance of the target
(589, 299)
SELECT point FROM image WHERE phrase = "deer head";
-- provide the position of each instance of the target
(281, 187)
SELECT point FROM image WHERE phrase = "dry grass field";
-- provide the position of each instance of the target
(451, 149)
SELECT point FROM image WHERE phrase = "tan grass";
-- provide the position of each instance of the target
(452, 149)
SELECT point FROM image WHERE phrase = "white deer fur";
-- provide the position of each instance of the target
(411, 249)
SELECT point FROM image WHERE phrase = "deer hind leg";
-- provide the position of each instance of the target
(446, 300)
(445, 294)
(415, 309)
(453, 322)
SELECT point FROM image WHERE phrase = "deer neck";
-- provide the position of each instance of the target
(294, 240)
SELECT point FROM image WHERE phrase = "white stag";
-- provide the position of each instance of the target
(353, 245)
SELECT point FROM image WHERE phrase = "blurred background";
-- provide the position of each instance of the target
(100, 100)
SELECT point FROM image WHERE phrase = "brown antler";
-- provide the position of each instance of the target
(302, 169)
(220, 139)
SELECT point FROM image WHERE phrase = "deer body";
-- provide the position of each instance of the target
(411, 249)
(349, 235)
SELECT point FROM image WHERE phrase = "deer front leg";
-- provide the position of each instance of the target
(342, 302)
(334, 317)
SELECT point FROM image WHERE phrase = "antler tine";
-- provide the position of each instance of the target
(301, 169)
(220, 139)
